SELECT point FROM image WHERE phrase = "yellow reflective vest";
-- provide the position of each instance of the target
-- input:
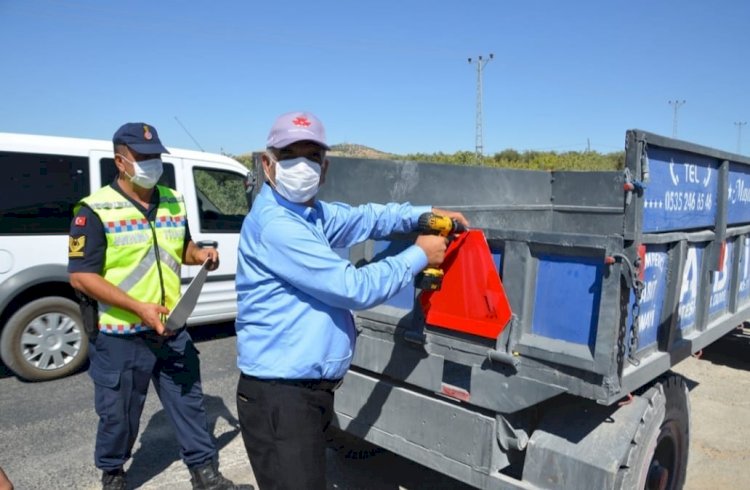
(143, 258)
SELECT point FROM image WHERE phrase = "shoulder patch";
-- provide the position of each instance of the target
(75, 246)
(80, 221)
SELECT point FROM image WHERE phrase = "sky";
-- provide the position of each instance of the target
(392, 75)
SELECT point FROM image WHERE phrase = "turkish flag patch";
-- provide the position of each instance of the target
(80, 221)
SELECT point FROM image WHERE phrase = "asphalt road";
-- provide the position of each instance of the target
(47, 434)
(47, 429)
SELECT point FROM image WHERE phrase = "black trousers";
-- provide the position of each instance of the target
(283, 427)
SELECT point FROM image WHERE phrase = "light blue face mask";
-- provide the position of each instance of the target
(147, 172)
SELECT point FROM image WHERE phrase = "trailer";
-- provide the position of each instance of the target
(612, 277)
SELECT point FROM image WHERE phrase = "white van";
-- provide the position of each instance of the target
(42, 335)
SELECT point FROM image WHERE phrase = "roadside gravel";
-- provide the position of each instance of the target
(719, 382)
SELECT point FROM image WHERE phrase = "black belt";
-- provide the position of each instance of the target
(313, 384)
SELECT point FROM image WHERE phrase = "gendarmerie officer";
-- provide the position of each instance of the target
(127, 243)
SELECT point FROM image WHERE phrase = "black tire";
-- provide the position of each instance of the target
(659, 451)
(45, 340)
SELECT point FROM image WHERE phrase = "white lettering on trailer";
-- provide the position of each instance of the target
(740, 193)
(690, 199)
(646, 320)
(720, 277)
(689, 288)
(649, 291)
(691, 173)
(678, 201)
(657, 260)
(718, 298)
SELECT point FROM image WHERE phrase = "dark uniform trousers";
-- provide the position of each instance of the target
(121, 367)
(283, 425)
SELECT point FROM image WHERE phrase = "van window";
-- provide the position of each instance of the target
(222, 200)
(109, 172)
(38, 192)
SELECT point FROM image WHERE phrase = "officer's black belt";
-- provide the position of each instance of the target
(313, 384)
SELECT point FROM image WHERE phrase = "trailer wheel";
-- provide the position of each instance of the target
(659, 451)
(44, 339)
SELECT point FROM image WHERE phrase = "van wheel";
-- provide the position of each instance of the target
(45, 340)
(659, 451)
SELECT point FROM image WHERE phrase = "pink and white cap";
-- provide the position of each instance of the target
(296, 126)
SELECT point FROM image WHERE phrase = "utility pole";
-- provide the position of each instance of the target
(478, 145)
(676, 104)
(739, 125)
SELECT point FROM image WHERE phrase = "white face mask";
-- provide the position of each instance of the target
(297, 179)
(147, 172)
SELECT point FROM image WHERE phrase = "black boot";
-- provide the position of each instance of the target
(113, 480)
(208, 477)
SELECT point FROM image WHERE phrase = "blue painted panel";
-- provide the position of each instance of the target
(652, 298)
(566, 303)
(682, 191)
(691, 276)
(497, 258)
(404, 299)
(744, 279)
(739, 194)
(720, 281)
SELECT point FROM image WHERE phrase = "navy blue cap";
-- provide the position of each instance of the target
(140, 137)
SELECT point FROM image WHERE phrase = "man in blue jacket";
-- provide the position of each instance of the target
(295, 330)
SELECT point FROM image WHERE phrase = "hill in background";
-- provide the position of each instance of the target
(352, 150)
(349, 150)
(509, 158)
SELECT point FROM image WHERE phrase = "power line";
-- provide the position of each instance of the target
(676, 104)
(188, 133)
(478, 143)
(739, 125)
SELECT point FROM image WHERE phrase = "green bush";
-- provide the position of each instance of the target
(530, 159)
(508, 158)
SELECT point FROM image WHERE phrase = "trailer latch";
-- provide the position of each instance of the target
(632, 185)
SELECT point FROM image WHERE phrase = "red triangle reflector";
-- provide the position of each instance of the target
(472, 299)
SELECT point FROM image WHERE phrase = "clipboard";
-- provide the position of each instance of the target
(184, 307)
